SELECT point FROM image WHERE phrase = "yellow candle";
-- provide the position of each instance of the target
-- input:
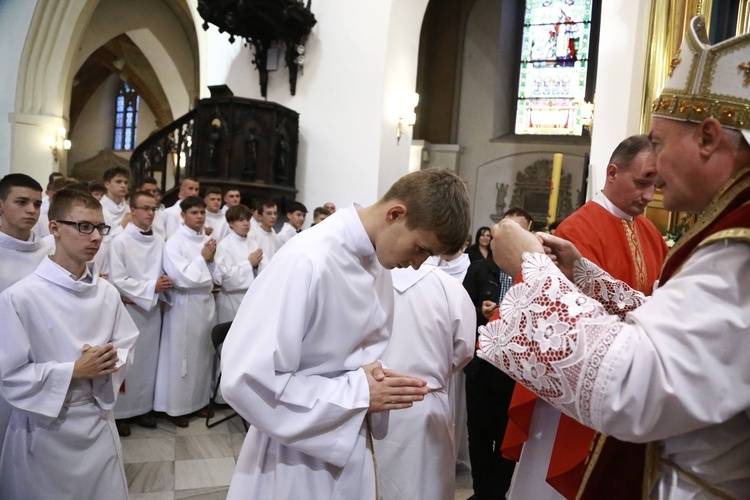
(555, 193)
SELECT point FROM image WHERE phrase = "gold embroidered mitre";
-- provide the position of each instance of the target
(708, 81)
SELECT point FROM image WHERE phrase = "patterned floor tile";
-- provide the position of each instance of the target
(211, 472)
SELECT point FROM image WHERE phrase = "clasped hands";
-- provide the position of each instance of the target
(391, 390)
(510, 241)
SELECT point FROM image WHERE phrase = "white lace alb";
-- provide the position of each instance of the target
(552, 336)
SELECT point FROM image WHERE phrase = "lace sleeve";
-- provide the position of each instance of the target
(616, 296)
(551, 338)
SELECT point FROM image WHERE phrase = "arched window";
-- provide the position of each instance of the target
(554, 69)
(126, 118)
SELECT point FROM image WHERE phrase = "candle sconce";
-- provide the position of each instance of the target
(59, 142)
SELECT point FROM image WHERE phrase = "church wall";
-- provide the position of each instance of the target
(146, 125)
(619, 81)
(359, 58)
(487, 161)
(400, 82)
(15, 18)
(95, 126)
(154, 29)
(45, 75)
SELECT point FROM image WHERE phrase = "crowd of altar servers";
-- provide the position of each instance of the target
(184, 269)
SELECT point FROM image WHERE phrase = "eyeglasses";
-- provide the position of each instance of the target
(145, 209)
(87, 227)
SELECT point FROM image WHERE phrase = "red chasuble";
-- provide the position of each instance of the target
(632, 252)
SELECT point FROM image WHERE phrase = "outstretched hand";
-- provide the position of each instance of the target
(391, 390)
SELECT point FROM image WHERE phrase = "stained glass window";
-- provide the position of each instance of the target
(126, 118)
(554, 66)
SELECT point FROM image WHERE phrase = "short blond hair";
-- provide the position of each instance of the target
(436, 201)
(63, 201)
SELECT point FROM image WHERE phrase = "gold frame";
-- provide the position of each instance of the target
(743, 17)
(667, 22)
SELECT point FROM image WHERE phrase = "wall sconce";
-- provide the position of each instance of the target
(58, 143)
(407, 116)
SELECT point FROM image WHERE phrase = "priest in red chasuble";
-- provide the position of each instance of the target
(671, 370)
(609, 231)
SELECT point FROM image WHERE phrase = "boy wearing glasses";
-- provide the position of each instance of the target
(65, 349)
(136, 271)
(149, 186)
(183, 381)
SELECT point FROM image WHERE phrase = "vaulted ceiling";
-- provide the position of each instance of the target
(121, 57)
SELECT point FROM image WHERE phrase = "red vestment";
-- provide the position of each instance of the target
(632, 252)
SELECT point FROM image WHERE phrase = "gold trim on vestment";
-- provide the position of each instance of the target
(705, 485)
(597, 444)
(636, 252)
(733, 234)
(651, 468)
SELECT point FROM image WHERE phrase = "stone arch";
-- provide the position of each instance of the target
(50, 58)
(56, 29)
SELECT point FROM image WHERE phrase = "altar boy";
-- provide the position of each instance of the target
(65, 348)
(136, 270)
(183, 375)
(300, 361)
(239, 259)
(116, 211)
(20, 249)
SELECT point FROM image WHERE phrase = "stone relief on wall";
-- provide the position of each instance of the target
(502, 191)
(532, 191)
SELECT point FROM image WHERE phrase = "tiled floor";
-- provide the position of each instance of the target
(171, 463)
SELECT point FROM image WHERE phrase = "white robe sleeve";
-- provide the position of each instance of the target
(141, 292)
(124, 335)
(172, 220)
(186, 273)
(235, 276)
(464, 322)
(267, 380)
(36, 389)
(683, 354)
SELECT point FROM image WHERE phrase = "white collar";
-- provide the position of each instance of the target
(87, 278)
(610, 207)
(403, 279)
(11, 243)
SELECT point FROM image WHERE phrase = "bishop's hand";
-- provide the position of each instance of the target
(509, 242)
(563, 252)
